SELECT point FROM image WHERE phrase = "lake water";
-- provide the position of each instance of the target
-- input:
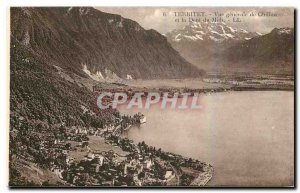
(247, 136)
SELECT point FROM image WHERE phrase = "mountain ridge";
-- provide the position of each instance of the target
(234, 52)
(210, 32)
(73, 38)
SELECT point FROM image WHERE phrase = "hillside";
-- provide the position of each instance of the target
(92, 43)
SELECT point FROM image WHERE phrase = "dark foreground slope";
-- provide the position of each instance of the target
(42, 105)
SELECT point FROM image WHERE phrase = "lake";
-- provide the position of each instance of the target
(247, 136)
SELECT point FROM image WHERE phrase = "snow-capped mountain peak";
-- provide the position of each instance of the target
(217, 32)
(284, 30)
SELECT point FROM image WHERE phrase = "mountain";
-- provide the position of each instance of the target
(54, 55)
(209, 32)
(219, 47)
(272, 52)
(92, 43)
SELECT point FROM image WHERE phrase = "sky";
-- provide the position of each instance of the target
(153, 18)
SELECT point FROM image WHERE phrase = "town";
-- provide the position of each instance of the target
(82, 156)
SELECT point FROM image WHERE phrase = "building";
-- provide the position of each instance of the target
(90, 156)
(147, 164)
(169, 175)
(99, 159)
(95, 167)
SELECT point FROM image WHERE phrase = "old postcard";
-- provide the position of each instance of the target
(151, 97)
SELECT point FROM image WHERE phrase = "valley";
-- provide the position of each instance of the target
(63, 58)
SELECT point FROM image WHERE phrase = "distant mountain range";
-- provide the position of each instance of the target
(92, 43)
(210, 32)
(103, 46)
(219, 47)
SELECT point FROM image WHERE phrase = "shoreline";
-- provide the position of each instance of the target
(263, 82)
(216, 179)
(203, 177)
(240, 89)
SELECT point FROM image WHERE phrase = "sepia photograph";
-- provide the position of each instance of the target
(151, 97)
